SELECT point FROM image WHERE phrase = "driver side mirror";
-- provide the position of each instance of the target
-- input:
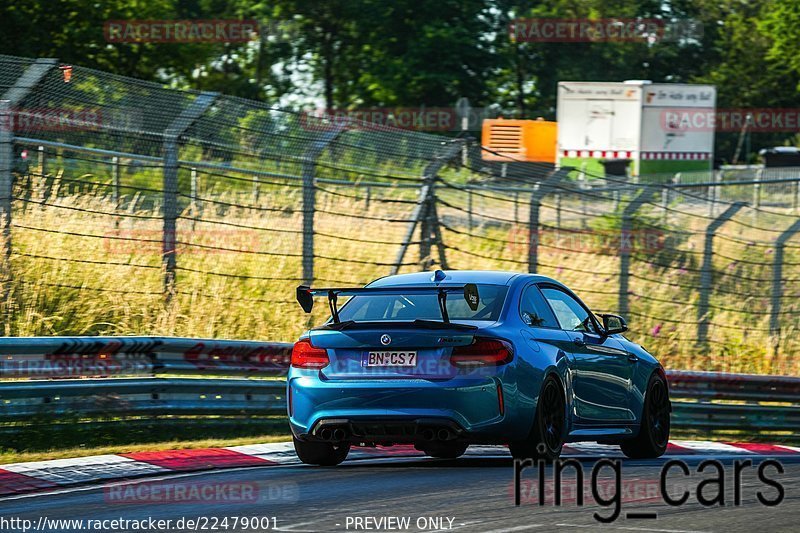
(613, 324)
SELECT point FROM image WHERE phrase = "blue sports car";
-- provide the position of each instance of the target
(442, 360)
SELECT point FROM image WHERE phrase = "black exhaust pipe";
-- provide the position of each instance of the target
(427, 434)
(339, 434)
(325, 434)
(443, 434)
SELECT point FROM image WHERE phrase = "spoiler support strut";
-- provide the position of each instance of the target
(305, 296)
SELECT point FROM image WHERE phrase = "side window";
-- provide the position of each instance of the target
(534, 310)
(570, 314)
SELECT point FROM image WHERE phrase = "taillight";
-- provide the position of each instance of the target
(304, 355)
(482, 352)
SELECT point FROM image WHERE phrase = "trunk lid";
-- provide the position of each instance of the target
(349, 350)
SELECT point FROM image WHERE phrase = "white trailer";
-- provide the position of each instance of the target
(660, 127)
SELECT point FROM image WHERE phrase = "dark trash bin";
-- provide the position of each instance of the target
(616, 167)
(781, 156)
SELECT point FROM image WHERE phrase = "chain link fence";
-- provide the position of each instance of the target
(132, 208)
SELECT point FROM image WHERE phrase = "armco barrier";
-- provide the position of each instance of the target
(79, 357)
(125, 378)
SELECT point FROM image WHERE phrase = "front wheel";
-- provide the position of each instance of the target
(321, 453)
(546, 437)
(653, 437)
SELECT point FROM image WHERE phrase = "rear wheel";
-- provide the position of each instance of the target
(445, 450)
(321, 453)
(547, 434)
(653, 437)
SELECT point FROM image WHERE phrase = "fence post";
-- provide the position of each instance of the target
(115, 181)
(194, 206)
(424, 214)
(42, 163)
(796, 195)
(707, 271)
(11, 98)
(777, 282)
(516, 207)
(558, 211)
(256, 188)
(310, 195)
(757, 192)
(6, 184)
(625, 247)
(171, 136)
(542, 189)
(712, 191)
(469, 208)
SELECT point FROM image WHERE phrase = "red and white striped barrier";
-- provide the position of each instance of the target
(20, 478)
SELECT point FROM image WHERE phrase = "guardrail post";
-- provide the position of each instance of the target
(310, 195)
(625, 246)
(707, 271)
(542, 189)
(171, 136)
(777, 282)
(425, 212)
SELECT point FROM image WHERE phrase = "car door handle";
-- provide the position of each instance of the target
(578, 341)
(632, 358)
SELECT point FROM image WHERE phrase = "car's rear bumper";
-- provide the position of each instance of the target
(399, 411)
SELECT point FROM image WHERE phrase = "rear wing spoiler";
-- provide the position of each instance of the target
(305, 295)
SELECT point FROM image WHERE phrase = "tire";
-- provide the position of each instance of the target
(445, 450)
(546, 437)
(653, 437)
(321, 453)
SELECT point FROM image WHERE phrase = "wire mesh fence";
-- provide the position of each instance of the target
(132, 208)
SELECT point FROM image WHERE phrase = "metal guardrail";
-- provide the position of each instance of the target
(122, 378)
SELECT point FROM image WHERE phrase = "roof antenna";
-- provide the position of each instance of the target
(438, 276)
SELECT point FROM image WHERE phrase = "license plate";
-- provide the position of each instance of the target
(390, 359)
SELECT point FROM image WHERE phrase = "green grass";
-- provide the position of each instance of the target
(40, 441)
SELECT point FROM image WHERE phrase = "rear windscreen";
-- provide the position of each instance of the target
(424, 306)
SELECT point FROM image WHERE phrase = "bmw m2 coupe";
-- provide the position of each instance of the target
(443, 360)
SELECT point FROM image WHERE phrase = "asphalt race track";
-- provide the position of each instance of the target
(474, 493)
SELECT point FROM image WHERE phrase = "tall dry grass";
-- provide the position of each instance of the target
(80, 267)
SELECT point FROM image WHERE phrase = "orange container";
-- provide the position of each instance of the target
(519, 140)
